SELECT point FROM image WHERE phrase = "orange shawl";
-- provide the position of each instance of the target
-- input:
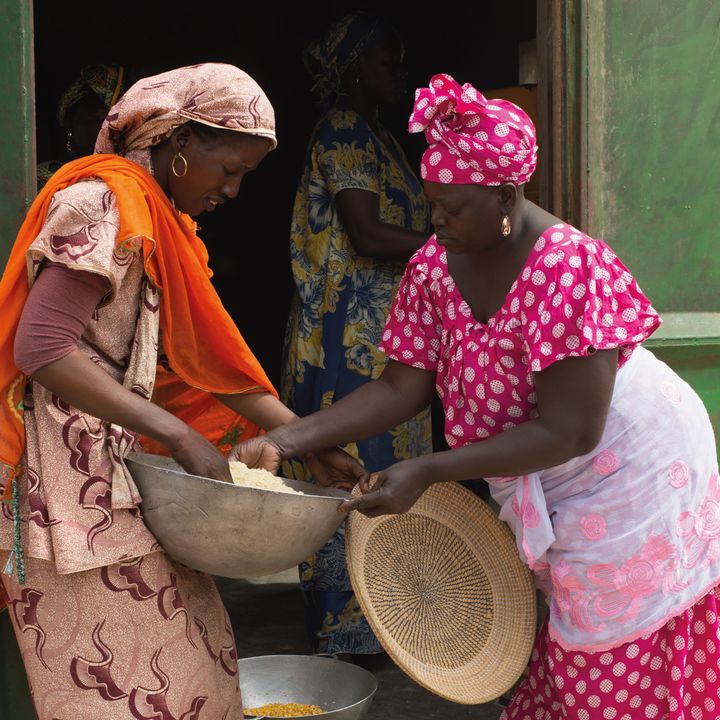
(203, 345)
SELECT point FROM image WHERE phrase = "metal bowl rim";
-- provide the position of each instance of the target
(316, 657)
(133, 458)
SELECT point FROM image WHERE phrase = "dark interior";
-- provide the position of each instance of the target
(248, 239)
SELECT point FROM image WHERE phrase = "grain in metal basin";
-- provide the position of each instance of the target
(342, 690)
(230, 530)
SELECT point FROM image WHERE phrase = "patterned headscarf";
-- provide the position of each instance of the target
(106, 82)
(472, 140)
(214, 94)
(343, 43)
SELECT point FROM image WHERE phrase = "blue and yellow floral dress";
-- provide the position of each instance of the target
(336, 323)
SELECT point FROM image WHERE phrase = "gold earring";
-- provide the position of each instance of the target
(505, 226)
(185, 165)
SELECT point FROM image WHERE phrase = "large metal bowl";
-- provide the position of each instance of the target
(231, 530)
(342, 690)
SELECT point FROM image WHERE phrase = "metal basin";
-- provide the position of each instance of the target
(342, 690)
(230, 530)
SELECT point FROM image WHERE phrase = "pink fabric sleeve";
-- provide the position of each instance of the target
(585, 300)
(59, 307)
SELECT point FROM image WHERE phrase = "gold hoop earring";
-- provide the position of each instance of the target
(505, 228)
(185, 165)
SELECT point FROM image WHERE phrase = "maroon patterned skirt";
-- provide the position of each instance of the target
(142, 639)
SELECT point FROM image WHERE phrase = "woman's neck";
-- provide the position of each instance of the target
(365, 106)
(507, 250)
(160, 162)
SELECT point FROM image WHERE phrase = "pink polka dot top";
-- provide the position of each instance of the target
(572, 297)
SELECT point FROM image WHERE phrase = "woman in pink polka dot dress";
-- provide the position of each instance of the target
(602, 459)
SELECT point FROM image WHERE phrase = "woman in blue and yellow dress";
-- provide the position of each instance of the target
(359, 215)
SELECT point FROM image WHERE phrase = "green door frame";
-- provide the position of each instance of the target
(563, 107)
(575, 92)
(17, 189)
(17, 120)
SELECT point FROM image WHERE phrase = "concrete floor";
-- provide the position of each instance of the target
(267, 617)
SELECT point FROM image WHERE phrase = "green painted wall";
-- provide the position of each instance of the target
(654, 135)
(653, 166)
(17, 119)
(17, 183)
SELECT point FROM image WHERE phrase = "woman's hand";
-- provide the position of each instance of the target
(84, 385)
(329, 467)
(199, 456)
(335, 467)
(394, 491)
(258, 452)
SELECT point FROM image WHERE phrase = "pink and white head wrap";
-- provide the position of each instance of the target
(472, 140)
(215, 94)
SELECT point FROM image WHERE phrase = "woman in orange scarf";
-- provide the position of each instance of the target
(106, 278)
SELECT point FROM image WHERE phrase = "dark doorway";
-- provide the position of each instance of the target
(248, 239)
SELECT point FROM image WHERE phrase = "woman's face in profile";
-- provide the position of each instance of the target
(215, 170)
(466, 218)
(382, 70)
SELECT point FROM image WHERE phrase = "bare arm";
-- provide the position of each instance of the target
(397, 395)
(359, 211)
(261, 408)
(56, 313)
(80, 382)
(328, 465)
(573, 400)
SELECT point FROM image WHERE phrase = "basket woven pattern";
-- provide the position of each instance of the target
(446, 593)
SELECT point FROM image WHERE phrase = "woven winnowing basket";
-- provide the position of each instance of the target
(446, 593)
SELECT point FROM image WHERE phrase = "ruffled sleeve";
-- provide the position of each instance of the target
(580, 298)
(413, 331)
(80, 233)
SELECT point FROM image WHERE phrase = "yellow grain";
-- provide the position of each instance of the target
(258, 478)
(280, 710)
